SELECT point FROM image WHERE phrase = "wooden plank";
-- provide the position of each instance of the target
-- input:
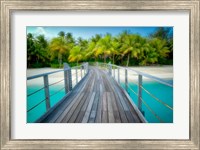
(104, 110)
(72, 114)
(87, 113)
(83, 109)
(132, 115)
(53, 116)
(68, 100)
(101, 83)
(119, 105)
(72, 109)
(75, 94)
(120, 108)
(92, 116)
(88, 83)
(98, 98)
(99, 108)
(121, 98)
(132, 110)
(115, 108)
(86, 102)
(95, 104)
(136, 113)
(120, 94)
(80, 117)
(91, 86)
(105, 83)
(78, 108)
(129, 117)
(111, 118)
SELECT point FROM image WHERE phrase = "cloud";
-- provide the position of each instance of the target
(42, 31)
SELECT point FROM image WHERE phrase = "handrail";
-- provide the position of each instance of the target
(44, 74)
(143, 74)
(48, 73)
(111, 70)
(157, 99)
(67, 82)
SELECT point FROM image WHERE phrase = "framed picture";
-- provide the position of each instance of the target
(94, 24)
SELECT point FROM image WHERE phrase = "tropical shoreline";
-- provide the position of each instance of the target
(162, 72)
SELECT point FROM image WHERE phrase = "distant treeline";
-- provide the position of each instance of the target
(125, 49)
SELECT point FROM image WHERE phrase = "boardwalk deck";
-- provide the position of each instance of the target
(97, 99)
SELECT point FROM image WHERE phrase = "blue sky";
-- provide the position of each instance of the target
(88, 32)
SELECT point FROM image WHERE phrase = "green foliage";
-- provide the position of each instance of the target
(60, 47)
(37, 55)
(124, 49)
(76, 54)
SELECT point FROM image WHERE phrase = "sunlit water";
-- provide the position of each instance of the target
(154, 111)
(162, 92)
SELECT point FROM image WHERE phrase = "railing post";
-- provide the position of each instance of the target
(118, 75)
(84, 67)
(114, 72)
(97, 64)
(47, 96)
(81, 72)
(110, 69)
(126, 80)
(140, 92)
(67, 78)
(76, 76)
(87, 67)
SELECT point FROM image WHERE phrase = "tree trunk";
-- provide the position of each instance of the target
(37, 60)
(60, 61)
(128, 60)
(77, 62)
(60, 65)
(113, 59)
(104, 58)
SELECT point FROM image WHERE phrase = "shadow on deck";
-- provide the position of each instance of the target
(96, 99)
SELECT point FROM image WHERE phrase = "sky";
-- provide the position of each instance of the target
(88, 32)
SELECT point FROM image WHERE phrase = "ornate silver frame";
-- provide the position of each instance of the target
(7, 6)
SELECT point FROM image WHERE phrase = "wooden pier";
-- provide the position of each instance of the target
(97, 98)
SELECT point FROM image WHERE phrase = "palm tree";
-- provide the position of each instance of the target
(104, 47)
(161, 48)
(115, 48)
(61, 33)
(59, 47)
(150, 56)
(91, 49)
(122, 39)
(128, 47)
(69, 38)
(76, 54)
(82, 43)
(41, 45)
(36, 50)
(30, 49)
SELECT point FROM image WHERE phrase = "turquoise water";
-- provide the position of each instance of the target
(160, 91)
(34, 99)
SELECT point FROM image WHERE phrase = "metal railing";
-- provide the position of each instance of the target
(116, 72)
(70, 80)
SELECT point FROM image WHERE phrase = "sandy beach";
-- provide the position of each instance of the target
(158, 71)
(163, 72)
(58, 76)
